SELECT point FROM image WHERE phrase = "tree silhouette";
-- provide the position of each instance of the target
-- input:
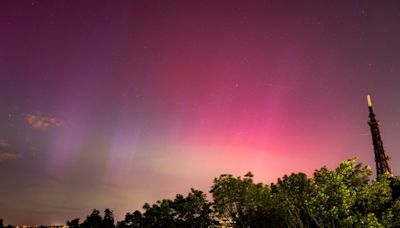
(108, 220)
(73, 223)
(134, 219)
(343, 197)
(190, 211)
(93, 220)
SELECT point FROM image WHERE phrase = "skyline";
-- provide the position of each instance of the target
(111, 105)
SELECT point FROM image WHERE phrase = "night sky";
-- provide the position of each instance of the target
(118, 103)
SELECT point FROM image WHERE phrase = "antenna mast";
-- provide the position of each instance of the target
(381, 160)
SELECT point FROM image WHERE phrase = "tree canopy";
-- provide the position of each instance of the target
(344, 197)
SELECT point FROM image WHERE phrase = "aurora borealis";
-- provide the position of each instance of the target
(118, 103)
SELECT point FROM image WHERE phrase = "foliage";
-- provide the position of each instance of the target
(244, 203)
(343, 197)
(94, 220)
(74, 223)
(190, 211)
(292, 192)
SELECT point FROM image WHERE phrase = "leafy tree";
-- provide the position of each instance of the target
(94, 220)
(193, 210)
(73, 223)
(391, 217)
(108, 220)
(343, 197)
(292, 192)
(395, 186)
(159, 214)
(244, 203)
(190, 211)
(134, 219)
(330, 200)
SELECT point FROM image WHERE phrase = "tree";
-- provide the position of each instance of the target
(391, 216)
(2, 224)
(330, 200)
(193, 210)
(73, 223)
(342, 197)
(94, 220)
(134, 219)
(108, 220)
(190, 211)
(159, 214)
(292, 192)
(243, 203)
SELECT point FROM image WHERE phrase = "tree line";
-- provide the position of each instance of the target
(344, 197)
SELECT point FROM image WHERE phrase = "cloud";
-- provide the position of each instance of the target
(4, 155)
(4, 143)
(43, 122)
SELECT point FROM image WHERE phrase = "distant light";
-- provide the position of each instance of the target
(369, 100)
